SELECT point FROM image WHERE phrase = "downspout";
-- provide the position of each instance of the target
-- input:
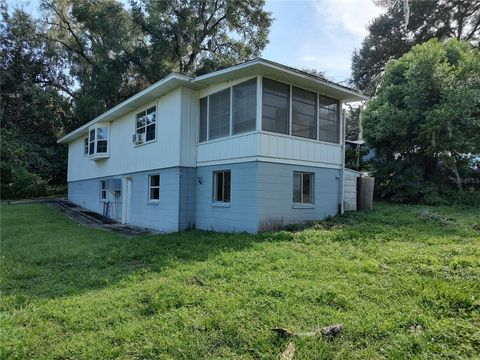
(342, 176)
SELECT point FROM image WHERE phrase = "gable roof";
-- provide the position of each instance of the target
(253, 67)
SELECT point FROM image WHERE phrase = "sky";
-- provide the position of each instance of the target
(306, 34)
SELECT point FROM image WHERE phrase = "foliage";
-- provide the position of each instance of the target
(114, 52)
(403, 286)
(425, 122)
(33, 112)
(389, 38)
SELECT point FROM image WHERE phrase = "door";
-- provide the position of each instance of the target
(127, 191)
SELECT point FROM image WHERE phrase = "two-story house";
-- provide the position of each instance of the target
(248, 148)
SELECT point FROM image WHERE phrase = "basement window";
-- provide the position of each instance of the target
(221, 186)
(154, 188)
(303, 188)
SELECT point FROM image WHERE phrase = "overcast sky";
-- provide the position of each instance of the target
(314, 34)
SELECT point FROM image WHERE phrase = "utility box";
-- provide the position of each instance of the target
(365, 186)
(114, 184)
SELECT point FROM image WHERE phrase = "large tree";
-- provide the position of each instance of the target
(114, 51)
(392, 34)
(425, 121)
(33, 111)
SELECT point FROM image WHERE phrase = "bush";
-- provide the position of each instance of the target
(25, 185)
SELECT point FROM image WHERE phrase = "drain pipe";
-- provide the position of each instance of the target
(342, 177)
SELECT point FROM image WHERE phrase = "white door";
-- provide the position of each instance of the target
(127, 191)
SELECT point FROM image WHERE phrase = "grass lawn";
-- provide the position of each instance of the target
(404, 281)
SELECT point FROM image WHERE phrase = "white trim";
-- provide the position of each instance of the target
(285, 161)
(149, 188)
(258, 123)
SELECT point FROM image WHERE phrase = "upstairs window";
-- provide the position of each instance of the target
(91, 148)
(228, 112)
(98, 141)
(146, 125)
(219, 115)
(245, 106)
(303, 188)
(276, 106)
(85, 146)
(102, 140)
(154, 187)
(328, 119)
(304, 113)
(221, 186)
(203, 119)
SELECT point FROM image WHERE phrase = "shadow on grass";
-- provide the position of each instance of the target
(46, 255)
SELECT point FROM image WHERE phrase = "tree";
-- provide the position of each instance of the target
(33, 112)
(114, 52)
(425, 120)
(192, 36)
(98, 39)
(393, 34)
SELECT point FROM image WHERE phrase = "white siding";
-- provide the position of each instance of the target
(124, 156)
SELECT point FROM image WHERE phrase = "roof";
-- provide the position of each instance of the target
(253, 67)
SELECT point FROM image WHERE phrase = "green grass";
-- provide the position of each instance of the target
(404, 281)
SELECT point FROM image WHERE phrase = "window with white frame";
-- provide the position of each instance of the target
(244, 106)
(146, 124)
(91, 142)
(328, 118)
(203, 119)
(221, 186)
(275, 107)
(154, 187)
(85, 146)
(103, 190)
(219, 114)
(237, 104)
(98, 140)
(304, 113)
(303, 185)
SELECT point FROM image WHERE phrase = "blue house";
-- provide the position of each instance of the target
(249, 148)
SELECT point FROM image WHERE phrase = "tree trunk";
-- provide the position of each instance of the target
(458, 180)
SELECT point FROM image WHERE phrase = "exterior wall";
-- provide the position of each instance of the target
(241, 213)
(275, 189)
(187, 198)
(86, 193)
(173, 212)
(125, 157)
(262, 197)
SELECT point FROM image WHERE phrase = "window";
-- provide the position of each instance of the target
(275, 108)
(154, 187)
(103, 190)
(91, 150)
(303, 188)
(146, 123)
(98, 141)
(102, 140)
(203, 119)
(328, 119)
(219, 115)
(304, 113)
(245, 106)
(85, 146)
(221, 186)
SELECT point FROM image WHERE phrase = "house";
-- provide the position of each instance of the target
(248, 148)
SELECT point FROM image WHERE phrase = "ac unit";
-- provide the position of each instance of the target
(138, 139)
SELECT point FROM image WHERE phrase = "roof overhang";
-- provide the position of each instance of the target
(283, 73)
(250, 68)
